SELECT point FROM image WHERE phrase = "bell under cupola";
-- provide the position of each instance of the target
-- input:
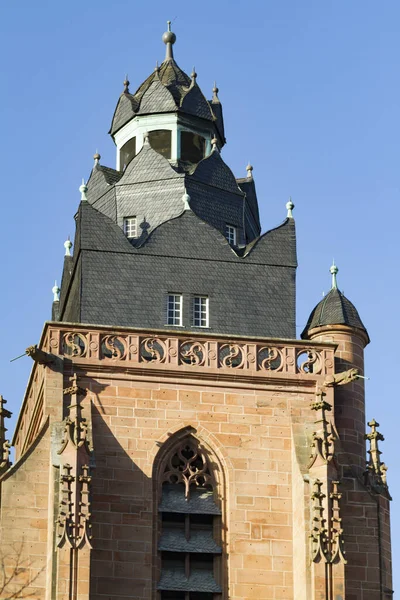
(172, 111)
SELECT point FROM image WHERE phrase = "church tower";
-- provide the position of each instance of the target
(176, 441)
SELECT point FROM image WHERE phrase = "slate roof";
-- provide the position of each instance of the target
(334, 309)
(167, 89)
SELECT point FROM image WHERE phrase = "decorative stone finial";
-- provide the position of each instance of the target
(97, 158)
(249, 170)
(334, 271)
(186, 200)
(67, 246)
(289, 207)
(375, 474)
(126, 84)
(169, 39)
(215, 93)
(56, 292)
(214, 144)
(83, 189)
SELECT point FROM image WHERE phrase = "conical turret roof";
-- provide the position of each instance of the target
(334, 309)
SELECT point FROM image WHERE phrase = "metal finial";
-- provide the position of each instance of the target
(169, 39)
(56, 292)
(67, 246)
(215, 91)
(126, 84)
(97, 158)
(334, 271)
(214, 144)
(157, 67)
(249, 170)
(186, 200)
(193, 74)
(290, 207)
(83, 189)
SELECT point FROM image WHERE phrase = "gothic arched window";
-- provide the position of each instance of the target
(189, 540)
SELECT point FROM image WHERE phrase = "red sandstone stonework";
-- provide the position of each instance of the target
(257, 408)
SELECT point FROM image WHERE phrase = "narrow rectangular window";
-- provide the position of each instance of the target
(174, 309)
(200, 311)
(230, 234)
(130, 227)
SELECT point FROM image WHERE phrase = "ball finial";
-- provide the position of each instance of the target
(334, 271)
(83, 189)
(169, 39)
(126, 84)
(67, 246)
(289, 207)
(214, 143)
(56, 292)
(249, 170)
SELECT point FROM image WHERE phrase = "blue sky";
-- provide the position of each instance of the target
(310, 94)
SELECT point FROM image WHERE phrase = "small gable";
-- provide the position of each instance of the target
(213, 171)
(157, 99)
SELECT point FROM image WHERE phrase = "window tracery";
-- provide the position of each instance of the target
(189, 543)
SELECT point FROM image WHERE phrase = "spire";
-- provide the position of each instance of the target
(249, 170)
(215, 99)
(334, 271)
(126, 84)
(67, 246)
(169, 39)
(290, 207)
(83, 189)
(56, 292)
(97, 158)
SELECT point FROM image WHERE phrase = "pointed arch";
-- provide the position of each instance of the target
(189, 491)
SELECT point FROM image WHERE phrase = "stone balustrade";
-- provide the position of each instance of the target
(175, 349)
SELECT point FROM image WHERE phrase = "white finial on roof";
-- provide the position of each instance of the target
(186, 200)
(56, 292)
(83, 189)
(67, 246)
(334, 271)
(290, 207)
(249, 170)
(214, 144)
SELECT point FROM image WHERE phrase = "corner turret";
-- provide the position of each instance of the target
(335, 319)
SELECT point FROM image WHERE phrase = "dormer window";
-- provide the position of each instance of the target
(130, 227)
(193, 147)
(231, 234)
(160, 141)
